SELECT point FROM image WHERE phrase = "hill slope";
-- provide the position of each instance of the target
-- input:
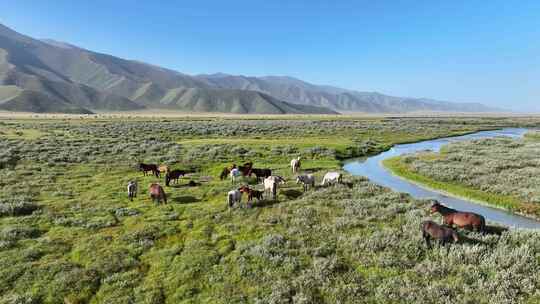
(50, 76)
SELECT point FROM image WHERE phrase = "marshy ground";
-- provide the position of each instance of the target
(68, 232)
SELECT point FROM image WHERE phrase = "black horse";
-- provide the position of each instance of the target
(174, 175)
(261, 174)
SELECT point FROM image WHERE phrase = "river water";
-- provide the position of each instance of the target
(373, 169)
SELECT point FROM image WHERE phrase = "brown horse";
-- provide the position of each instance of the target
(157, 193)
(467, 220)
(246, 168)
(174, 175)
(149, 167)
(432, 230)
(224, 173)
(251, 193)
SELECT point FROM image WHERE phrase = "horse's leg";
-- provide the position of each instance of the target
(426, 239)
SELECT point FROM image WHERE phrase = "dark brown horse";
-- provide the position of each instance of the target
(224, 173)
(251, 193)
(467, 220)
(432, 230)
(157, 193)
(261, 174)
(246, 168)
(145, 168)
(174, 175)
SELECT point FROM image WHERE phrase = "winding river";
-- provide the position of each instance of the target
(373, 169)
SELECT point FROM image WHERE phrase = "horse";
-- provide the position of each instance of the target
(271, 184)
(132, 190)
(245, 168)
(331, 178)
(163, 169)
(295, 164)
(149, 167)
(174, 175)
(467, 220)
(306, 180)
(432, 230)
(251, 193)
(224, 173)
(278, 179)
(157, 193)
(233, 197)
(261, 173)
(235, 174)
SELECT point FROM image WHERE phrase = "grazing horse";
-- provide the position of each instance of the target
(163, 169)
(295, 165)
(245, 168)
(467, 220)
(261, 173)
(174, 175)
(271, 184)
(233, 197)
(280, 180)
(251, 193)
(235, 174)
(432, 230)
(132, 190)
(306, 180)
(149, 167)
(331, 178)
(157, 193)
(224, 173)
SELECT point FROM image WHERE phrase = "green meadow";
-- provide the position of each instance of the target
(69, 234)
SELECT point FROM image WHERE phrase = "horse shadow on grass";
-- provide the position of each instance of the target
(186, 199)
(263, 203)
(464, 238)
(186, 185)
(292, 193)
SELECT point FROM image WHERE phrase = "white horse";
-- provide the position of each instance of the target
(306, 180)
(233, 197)
(295, 164)
(331, 178)
(235, 174)
(132, 190)
(271, 184)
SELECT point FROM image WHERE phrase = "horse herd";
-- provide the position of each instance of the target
(235, 173)
(430, 230)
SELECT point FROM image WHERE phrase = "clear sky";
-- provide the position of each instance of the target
(480, 51)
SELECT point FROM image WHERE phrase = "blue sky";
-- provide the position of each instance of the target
(479, 51)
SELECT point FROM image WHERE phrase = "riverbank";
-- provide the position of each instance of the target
(506, 202)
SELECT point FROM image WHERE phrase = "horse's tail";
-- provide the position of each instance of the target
(274, 190)
(340, 178)
(164, 196)
(455, 236)
(230, 199)
(482, 227)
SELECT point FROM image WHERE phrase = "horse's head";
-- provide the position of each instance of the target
(298, 179)
(243, 189)
(436, 207)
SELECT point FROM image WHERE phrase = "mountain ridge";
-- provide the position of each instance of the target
(72, 78)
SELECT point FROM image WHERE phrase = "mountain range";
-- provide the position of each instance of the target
(51, 76)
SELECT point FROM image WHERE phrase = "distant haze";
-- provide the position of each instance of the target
(474, 51)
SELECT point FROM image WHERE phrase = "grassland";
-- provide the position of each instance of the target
(68, 233)
(501, 172)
